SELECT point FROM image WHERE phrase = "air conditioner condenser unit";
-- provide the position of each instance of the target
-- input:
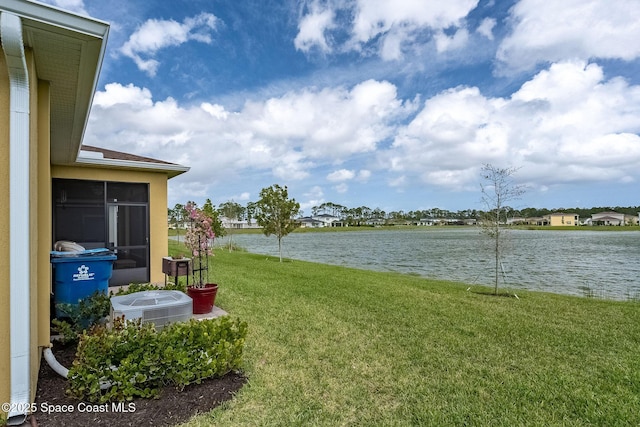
(157, 307)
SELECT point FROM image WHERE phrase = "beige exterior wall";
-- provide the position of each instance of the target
(43, 241)
(40, 222)
(39, 278)
(557, 220)
(157, 205)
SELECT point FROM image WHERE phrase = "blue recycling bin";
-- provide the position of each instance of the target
(78, 275)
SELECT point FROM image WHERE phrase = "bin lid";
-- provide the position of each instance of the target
(93, 258)
(86, 252)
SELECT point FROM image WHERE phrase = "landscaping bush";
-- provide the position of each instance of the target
(133, 359)
(89, 311)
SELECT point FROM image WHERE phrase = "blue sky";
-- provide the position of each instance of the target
(391, 104)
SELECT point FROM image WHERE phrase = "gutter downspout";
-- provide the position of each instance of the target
(19, 239)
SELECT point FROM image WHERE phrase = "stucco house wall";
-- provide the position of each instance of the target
(562, 219)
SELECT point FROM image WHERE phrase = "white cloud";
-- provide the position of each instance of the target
(341, 175)
(314, 197)
(566, 124)
(330, 123)
(129, 95)
(456, 41)
(375, 17)
(397, 22)
(341, 188)
(543, 31)
(242, 197)
(399, 181)
(387, 27)
(76, 6)
(154, 35)
(285, 137)
(216, 110)
(363, 175)
(486, 27)
(312, 29)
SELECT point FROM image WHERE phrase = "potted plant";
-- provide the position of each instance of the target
(199, 240)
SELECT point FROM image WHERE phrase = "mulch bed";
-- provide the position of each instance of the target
(173, 407)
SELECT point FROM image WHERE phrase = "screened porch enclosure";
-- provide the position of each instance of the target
(114, 215)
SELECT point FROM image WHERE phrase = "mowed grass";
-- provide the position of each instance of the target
(337, 346)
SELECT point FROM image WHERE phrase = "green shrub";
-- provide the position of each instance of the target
(89, 311)
(135, 360)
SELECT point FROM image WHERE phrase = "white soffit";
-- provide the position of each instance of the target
(68, 50)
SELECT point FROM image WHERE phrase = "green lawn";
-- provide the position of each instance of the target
(337, 346)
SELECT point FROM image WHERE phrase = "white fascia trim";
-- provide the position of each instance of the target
(132, 164)
(19, 234)
(51, 15)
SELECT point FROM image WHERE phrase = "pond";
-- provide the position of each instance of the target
(587, 263)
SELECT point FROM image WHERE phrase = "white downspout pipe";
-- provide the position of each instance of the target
(19, 265)
(54, 364)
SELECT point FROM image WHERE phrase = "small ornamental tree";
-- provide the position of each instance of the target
(275, 213)
(199, 239)
(497, 189)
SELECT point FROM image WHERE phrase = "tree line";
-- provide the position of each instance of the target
(358, 215)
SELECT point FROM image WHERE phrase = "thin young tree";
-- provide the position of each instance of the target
(275, 212)
(210, 211)
(177, 216)
(498, 188)
(232, 211)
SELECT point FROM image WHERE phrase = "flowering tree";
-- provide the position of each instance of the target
(199, 239)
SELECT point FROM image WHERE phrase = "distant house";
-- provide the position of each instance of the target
(237, 224)
(427, 221)
(533, 220)
(326, 220)
(613, 218)
(559, 219)
(379, 222)
(537, 220)
(309, 222)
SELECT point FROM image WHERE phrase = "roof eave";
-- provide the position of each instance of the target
(172, 170)
(84, 36)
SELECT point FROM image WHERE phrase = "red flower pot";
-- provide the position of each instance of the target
(203, 298)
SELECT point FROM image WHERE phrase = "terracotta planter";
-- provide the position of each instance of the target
(203, 298)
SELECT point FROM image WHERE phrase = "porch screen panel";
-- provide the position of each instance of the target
(105, 214)
(79, 212)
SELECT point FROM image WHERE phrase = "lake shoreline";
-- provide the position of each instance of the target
(599, 264)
